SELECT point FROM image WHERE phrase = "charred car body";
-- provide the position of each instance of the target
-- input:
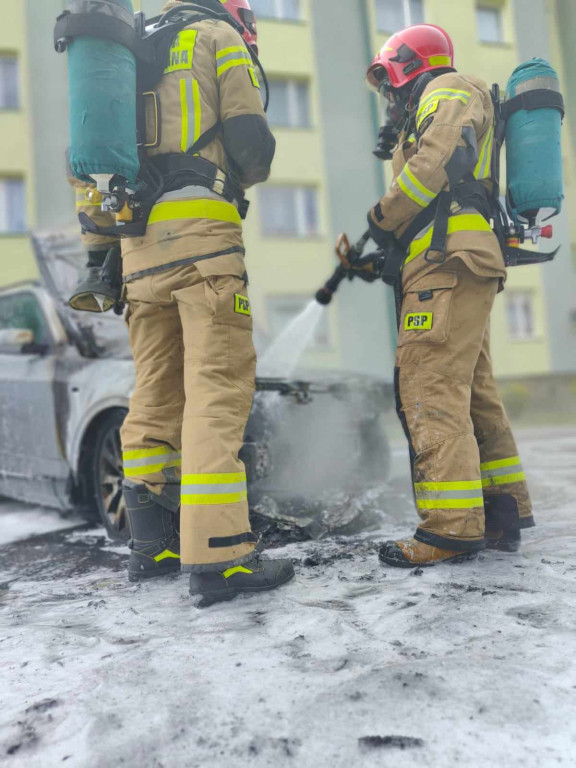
(65, 383)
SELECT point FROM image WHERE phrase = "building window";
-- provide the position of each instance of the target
(276, 9)
(283, 309)
(489, 20)
(287, 211)
(12, 206)
(392, 15)
(520, 315)
(9, 90)
(289, 104)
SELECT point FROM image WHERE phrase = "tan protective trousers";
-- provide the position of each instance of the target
(191, 338)
(461, 445)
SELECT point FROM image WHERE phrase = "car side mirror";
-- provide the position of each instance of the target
(15, 341)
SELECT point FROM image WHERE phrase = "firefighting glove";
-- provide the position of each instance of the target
(100, 288)
(387, 141)
(384, 240)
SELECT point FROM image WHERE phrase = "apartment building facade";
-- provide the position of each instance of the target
(324, 178)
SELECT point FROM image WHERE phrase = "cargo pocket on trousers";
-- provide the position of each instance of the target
(228, 300)
(426, 310)
(229, 303)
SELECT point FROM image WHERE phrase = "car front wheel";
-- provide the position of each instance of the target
(104, 475)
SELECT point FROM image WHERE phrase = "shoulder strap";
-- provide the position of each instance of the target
(537, 99)
(206, 138)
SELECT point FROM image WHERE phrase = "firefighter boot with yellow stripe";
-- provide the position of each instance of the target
(416, 554)
(255, 575)
(155, 541)
(502, 523)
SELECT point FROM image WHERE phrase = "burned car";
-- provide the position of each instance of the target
(65, 383)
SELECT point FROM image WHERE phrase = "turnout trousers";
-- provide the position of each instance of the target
(463, 454)
(191, 337)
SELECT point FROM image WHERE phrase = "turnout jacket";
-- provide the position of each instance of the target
(209, 82)
(453, 140)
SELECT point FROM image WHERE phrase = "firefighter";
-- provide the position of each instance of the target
(190, 320)
(469, 485)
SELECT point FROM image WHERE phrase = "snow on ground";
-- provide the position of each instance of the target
(20, 521)
(466, 665)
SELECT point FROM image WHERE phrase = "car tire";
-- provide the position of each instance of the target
(103, 476)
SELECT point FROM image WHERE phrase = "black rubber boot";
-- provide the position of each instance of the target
(155, 542)
(502, 523)
(255, 575)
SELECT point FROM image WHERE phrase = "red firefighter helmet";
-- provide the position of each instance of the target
(243, 13)
(410, 53)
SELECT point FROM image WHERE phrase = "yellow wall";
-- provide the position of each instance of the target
(16, 259)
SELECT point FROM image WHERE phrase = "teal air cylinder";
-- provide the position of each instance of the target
(534, 147)
(102, 86)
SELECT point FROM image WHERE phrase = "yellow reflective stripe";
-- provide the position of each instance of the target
(233, 49)
(450, 503)
(483, 167)
(220, 478)
(414, 189)
(232, 63)
(215, 210)
(445, 93)
(510, 462)
(197, 110)
(254, 77)
(518, 477)
(184, 109)
(462, 485)
(151, 469)
(430, 104)
(215, 498)
(439, 61)
(237, 569)
(161, 450)
(468, 222)
(165, 555)
(191, 109)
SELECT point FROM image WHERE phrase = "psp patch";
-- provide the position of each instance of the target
(242, 305)
(418, 321)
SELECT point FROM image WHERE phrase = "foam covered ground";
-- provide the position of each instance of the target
(350, 665)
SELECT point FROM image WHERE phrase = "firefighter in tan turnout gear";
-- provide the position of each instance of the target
(469, 485)
(189, 318)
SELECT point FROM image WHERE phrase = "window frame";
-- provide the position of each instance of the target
(293, 104)
(13, 56)
(514, 298)
(301, 232)
(278, 13)
(407, 16)
(499, 11)
(10, 232)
